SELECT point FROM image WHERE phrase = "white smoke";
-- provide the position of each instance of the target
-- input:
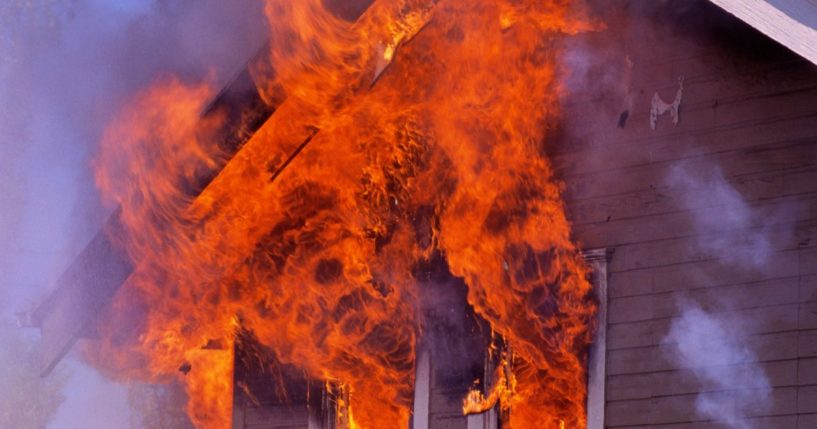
(735, 386)
(718, 212)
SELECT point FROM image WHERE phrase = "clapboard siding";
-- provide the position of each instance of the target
(785, 156)
(807, 372)
(701, 274)
(776, 318)
(767, 347)
(276, 417)
(680, 224)
(660, 303)
(740, 296)
(681, 408)
(682, 382)
(699, 120)
(661, 253)
(805, 421)
(702, 117)
(446, 402)
(773, 129)
(748, 121)
(774, 422)
(698, 69)
(764, 187)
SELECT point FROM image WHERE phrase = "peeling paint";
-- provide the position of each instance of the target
(660, 107)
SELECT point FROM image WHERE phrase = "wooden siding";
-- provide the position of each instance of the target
(268, 394)
(791, 22)
(749, 111)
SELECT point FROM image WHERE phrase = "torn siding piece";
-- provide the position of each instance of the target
(660, 107)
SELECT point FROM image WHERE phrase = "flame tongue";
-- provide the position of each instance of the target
(502, 390)
(309, 237)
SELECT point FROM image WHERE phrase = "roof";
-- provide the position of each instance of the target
(792, 23)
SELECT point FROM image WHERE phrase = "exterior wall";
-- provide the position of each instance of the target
(791, 22)
(270, 395)
(748, 122)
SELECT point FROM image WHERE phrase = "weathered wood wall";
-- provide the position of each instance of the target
(748, 118)
(270, 395)
(457, 343)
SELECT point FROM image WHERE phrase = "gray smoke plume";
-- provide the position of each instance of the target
(712, 344)
(718, 212)
(734, 387)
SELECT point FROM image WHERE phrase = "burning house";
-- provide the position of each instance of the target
(469, 214)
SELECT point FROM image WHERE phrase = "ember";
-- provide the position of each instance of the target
(308, 236)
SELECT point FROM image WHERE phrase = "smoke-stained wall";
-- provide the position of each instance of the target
(712, 298)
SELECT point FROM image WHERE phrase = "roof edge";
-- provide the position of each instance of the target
(792, 23)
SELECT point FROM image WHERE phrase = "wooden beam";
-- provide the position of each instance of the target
(83, 289)
(89, 284)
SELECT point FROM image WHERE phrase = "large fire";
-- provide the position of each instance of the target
(307, 237)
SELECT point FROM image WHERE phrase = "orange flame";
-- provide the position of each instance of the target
(306, 236)
(502, 392)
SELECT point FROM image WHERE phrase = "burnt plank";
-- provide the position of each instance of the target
(63, 316)
(101, 268)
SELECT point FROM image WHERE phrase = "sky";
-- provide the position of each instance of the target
(66, 66)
